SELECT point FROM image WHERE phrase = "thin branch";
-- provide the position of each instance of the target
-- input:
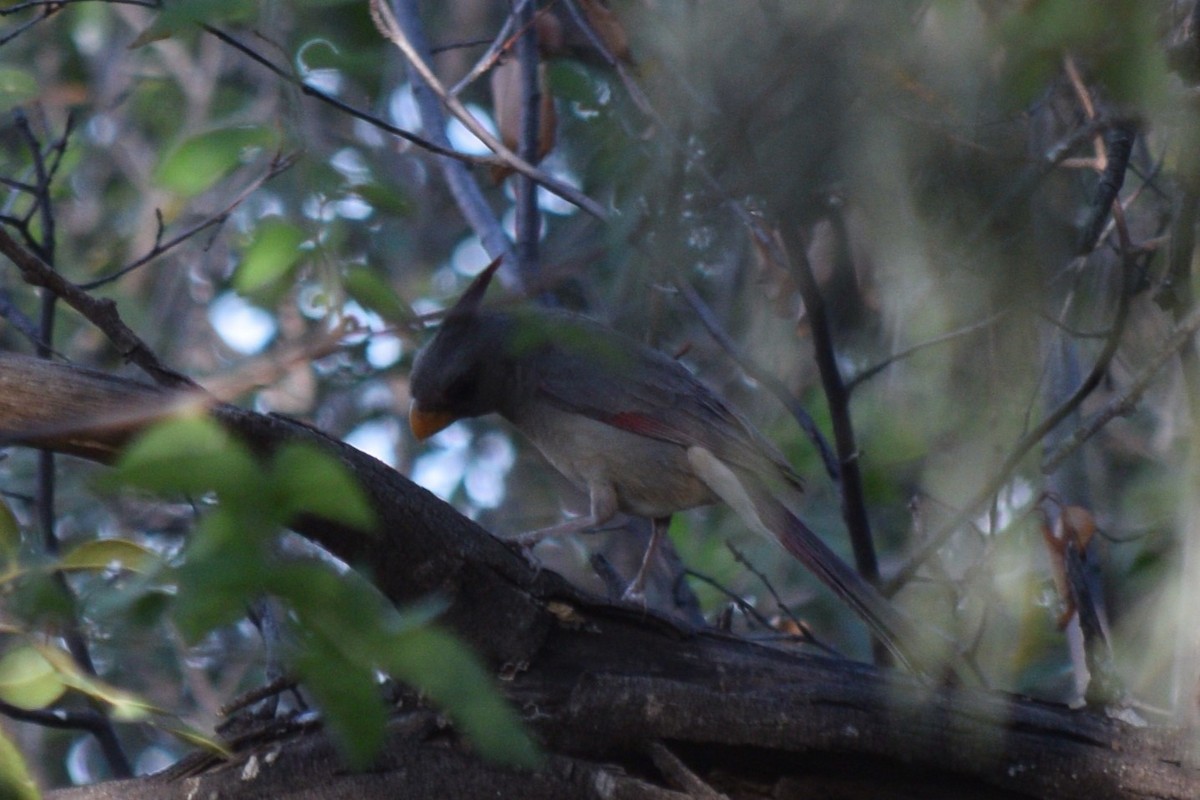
(19, 186)
(461, 182)
(1028, 181)
(966, 330)
(11, 35)
(1033, 437)
(852, 493)
(357, 113)
(391, 30)
(61, 719)
(20, 320)
(44, 246)
(54, 5)
(160, 247)
(101, 312)
(742, 604)
(1127, 402)
(91, 721)
(1065, 328)
(805, 633)
(445, 48)
(528, 221)
(636, 94)
(759, 373)
(488, 60)
(1119, 141)
(679, 774)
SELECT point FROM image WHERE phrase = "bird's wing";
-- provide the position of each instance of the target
(625, 384)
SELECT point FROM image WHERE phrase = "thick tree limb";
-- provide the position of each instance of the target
(601, 685)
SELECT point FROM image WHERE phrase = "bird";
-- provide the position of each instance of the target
(634, 429)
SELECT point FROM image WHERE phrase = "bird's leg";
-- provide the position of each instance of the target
(603, 507)
(635, 592)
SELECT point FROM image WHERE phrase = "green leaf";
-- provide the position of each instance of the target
(372, 292)
(180, 15)
(123, 706)
(571, 81)
(1116, 39)
(28, 680)
(384, 198)
(15, 781)
(10, 534)
(191, 736)
(36, 598)
(199, 162)
(348, 694)
(224, 568)
(455, 679)
(17, 86)
(271, 255)
(348, 631)
(313, 481)
(101, 554)
(190, 455)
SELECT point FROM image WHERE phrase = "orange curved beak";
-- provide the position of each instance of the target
(426, 423)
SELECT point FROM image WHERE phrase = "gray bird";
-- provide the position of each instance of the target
(634, 429)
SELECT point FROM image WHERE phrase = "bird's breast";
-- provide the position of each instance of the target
(651, 477)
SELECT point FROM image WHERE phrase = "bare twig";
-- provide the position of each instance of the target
(1024, 185)
(101, 312)
(391, 30)
(681, 775)
(854, 509)
(82, 720)
(160, 247)
(20, 320)
(966, 330)
(13, 34)
(528, 219)
(459, 180)
(1119, 141)
(763, 376)
(1126, 402)
(357, 113)
(53, 5)
(743, 605)
(43, 245)
(740, 557)
(492, 54)
(1034, 436)
(631, 85)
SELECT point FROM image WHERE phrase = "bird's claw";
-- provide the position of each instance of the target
(635, 594)
(525, 550)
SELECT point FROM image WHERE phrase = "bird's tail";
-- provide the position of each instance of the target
(921, 649)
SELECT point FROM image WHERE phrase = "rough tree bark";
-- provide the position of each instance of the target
(626, 705)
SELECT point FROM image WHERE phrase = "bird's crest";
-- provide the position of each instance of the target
(472, 298)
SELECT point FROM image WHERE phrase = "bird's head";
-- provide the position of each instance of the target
(460, 372)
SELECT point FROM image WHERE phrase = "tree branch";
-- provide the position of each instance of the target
(100, 312)
(461, 183)
(391, 30)
(602, 683)
(1031, 439)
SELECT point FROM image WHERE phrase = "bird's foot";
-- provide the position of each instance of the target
(525, 551)
(635, 594)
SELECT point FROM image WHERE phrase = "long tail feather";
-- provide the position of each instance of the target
(921, 649)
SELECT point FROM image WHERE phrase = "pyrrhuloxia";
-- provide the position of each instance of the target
(630, 426)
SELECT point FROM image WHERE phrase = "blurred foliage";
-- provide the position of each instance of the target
(926, 155)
